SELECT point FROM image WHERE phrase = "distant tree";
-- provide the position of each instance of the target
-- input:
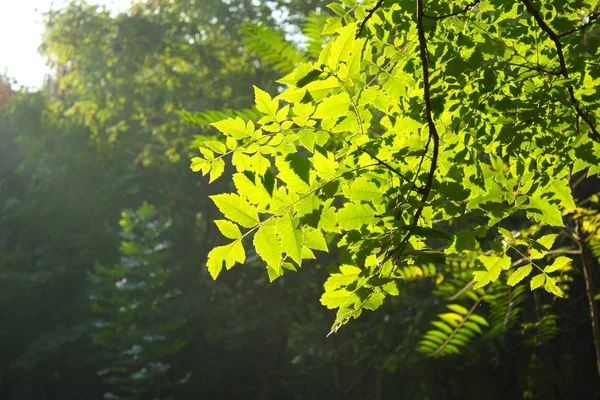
(138, 330)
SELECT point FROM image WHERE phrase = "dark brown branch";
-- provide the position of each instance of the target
(454, 14)
(384, 164)
(592, 18)
(532, 68)
(370, 13)
(563, 65)
(433, 133)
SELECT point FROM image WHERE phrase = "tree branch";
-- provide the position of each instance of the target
(433, 133)
(563, 66)
(370, 13)
(592, 18)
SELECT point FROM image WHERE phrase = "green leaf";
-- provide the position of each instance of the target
(538, 281)
(338, 298)
(229, 254)
(458, 309)
(493, 262)
(217, 167)
(374, 301)
(228, 229)
(336, 8)
(519, 274)
(328, 221)
(256, 194)
(289, 176)
(505, 233)
(547, 241)
(236, 128)
(546, 212)
(264, 103)
(563, 193)
(268, 248)
(551, 287)
(463, 241)
(333, 107)
(353, 216)
(340, 49)
(326, 167)
(291, 238)
(361, 189)
(349, 274)
(478, 319)
(494, 265)
(236, 209)
(313, 238)
(558, 263)
(199, 163)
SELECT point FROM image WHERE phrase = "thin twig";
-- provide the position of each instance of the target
(461, 291)
(592, 18)
(538, 69)
(580, 179)
(454, 14)
(433, 133)
(370, 13)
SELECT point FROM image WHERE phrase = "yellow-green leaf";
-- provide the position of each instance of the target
(558, 263)
(291, 238)
(236, 209)
(354, 216)
(519, 274)
(547, 241)
(268, 247)
(537, 281)
(228, 229)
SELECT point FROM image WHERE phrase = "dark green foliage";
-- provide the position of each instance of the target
(138, 330)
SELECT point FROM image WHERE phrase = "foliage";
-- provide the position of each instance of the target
(421, 131)
(137, 329)
(105, 134)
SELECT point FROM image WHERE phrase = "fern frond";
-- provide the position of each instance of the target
(453, 330)
(272, 48)
(204, 118)
(505, 306)
(595, 246)
(312, 29)
(544, 330)
(412, 272)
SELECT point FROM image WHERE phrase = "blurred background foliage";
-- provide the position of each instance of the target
(93, 308)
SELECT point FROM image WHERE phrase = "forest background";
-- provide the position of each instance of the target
(105, 233)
